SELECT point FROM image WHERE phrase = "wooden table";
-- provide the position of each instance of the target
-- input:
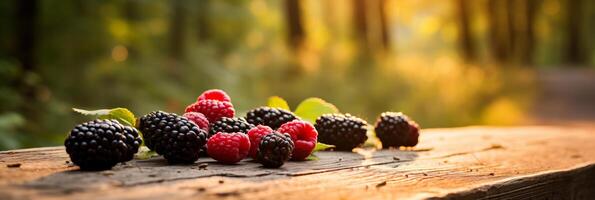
(459, 163)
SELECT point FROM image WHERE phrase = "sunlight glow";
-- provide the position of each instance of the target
(119, 53)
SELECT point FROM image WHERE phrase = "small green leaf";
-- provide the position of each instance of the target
(322, 146)
(92, 112)
(277, 102)
(312, 108)
(121, 114)
(124, 115)
(145, 153)
(312, 157)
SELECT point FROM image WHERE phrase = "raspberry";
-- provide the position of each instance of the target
(212, 109)
(173, 136)
(395, 130)
(230, 125)
(199, 119)
(214, 94)
(228, 148)
(101, 144)
(274, 149)
(272, 117)
(303, 135)
(255, 134)
(344, 131)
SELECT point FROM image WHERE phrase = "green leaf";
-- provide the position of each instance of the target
(145, 153)
(312, 108)
(92, 112)
(322, 146)
(312, 157)
(121, 114)
(277, 102)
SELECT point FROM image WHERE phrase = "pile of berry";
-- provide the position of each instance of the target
(209, 126)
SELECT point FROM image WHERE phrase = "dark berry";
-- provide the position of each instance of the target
(230, 125)
(344, 131)
(255, 134)
(214, 94)
(272, 117)
(101, 144)
(173, 136)
(275, 149)
(303, 135)
(212, 109)
(228, 148)
(413, 134)
(395, 130)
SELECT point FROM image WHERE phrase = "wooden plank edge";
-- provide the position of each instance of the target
(52, 148)
(573, 183)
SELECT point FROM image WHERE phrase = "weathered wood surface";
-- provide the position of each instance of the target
(459, 163)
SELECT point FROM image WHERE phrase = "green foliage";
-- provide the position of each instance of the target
(145, 153)
(278, 102)
(9, 123)
(322, 146)
(309, 109)
(121, 114)
(312, 157)
(312, 108)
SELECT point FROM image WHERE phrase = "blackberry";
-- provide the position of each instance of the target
(133, 141)
(173, 136)
(230, 125)
(272, 117)
(274, 150)
(413, 134)
(101, 144)
(344, 131)
(393, 129)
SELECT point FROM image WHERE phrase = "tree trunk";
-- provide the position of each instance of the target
(575, 47)
(511, 29)
(177, 30)
(360, 20)
(26, 35)
(132, 15)
(466, 40)
(26, 27)
(384, 27)
(203, 20)
(499, 30)
(295, 28)
(529, 40)
(131, 10)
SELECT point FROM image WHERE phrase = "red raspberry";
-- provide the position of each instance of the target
(212, 109)
(214, 94)
(413, 138)
(228, 148)
(255, 134)
(304, 137)
(199, 119)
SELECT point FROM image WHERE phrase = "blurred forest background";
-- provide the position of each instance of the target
(443, 62)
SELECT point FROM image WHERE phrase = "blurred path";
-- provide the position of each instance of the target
(566, 96)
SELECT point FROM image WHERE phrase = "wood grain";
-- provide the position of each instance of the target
(457, 163)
